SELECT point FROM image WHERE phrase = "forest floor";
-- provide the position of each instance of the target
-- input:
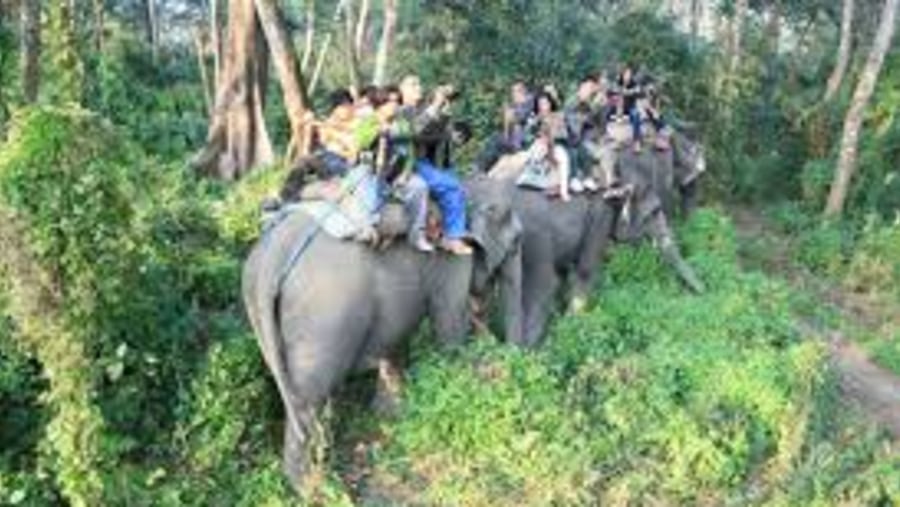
(833, 315)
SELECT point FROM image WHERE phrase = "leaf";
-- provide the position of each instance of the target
(17, 497)
(115, 370)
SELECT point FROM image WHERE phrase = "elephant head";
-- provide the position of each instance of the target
(689, 158)
(497, 232)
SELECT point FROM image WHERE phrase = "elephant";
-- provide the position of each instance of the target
(567, 241)
(672, 173)
(322, 308)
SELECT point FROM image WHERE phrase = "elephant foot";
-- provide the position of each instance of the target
(295, 463)
(578, 305)
(387, 393)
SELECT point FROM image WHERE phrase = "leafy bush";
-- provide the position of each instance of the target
(823, 249)
(875, 262)
(239, 214)
(159, 102)
(139, 274)
(652, 396)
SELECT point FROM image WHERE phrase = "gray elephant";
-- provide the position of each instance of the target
(673, 173)
(322, 308)
(566, 241)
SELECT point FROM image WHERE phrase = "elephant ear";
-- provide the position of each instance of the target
(499, 240)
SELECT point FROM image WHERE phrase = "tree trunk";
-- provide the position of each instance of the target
(200, 44)
(352, 57)
(237, 140)
(361, 26)
(853, 122)
(310, 34)
(773, 30)
(843, 57)
(696, 13)
(286, 66)
(215, 40)
(737, 30)
(152, 28)
(387, 40)
(99, 21)
(31, 48)
(66, 71)
(323, 50)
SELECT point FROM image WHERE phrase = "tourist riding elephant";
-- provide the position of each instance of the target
(322, 307)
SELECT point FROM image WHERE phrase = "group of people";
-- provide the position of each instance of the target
(561, 145)
(406, 139)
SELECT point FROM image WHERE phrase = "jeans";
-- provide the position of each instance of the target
(415, 201)
(635, 118)
(446, 189)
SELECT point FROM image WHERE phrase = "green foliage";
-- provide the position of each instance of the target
(137, 273)
(160, 103)
(875, 263)
(823, 248)
(8, 71)
(652, 396)
(64, 76)
(239, 214)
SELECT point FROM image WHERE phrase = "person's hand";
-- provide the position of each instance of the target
(509, 115)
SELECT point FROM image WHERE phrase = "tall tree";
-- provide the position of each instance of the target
(350, 45)
(66, 68)
(31, 48)
(737, 31)
(288, 74)
(387, 40)
(152, 27)
(99, 20)
(843, 56)
(847, 160)
(362, 24)
(309, 38)
(237, 140)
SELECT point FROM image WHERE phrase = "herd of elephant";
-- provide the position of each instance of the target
(323, 308)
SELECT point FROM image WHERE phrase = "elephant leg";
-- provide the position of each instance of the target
(689, 195)
(665, 241)
(448, 304)
(538, 290)
(318, 352)
(477, 315)
(300, 443)
(591, 257)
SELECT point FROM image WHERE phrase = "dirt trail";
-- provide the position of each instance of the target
(875, 391)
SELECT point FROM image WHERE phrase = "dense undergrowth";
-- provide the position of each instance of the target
(653, 396)
(853, 264)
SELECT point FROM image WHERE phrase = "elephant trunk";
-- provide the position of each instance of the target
(662, 235)
(511, 290)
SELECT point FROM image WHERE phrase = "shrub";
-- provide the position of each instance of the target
(652, 396)
(875, 260)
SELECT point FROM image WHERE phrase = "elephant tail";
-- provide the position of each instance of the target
(263, 303)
